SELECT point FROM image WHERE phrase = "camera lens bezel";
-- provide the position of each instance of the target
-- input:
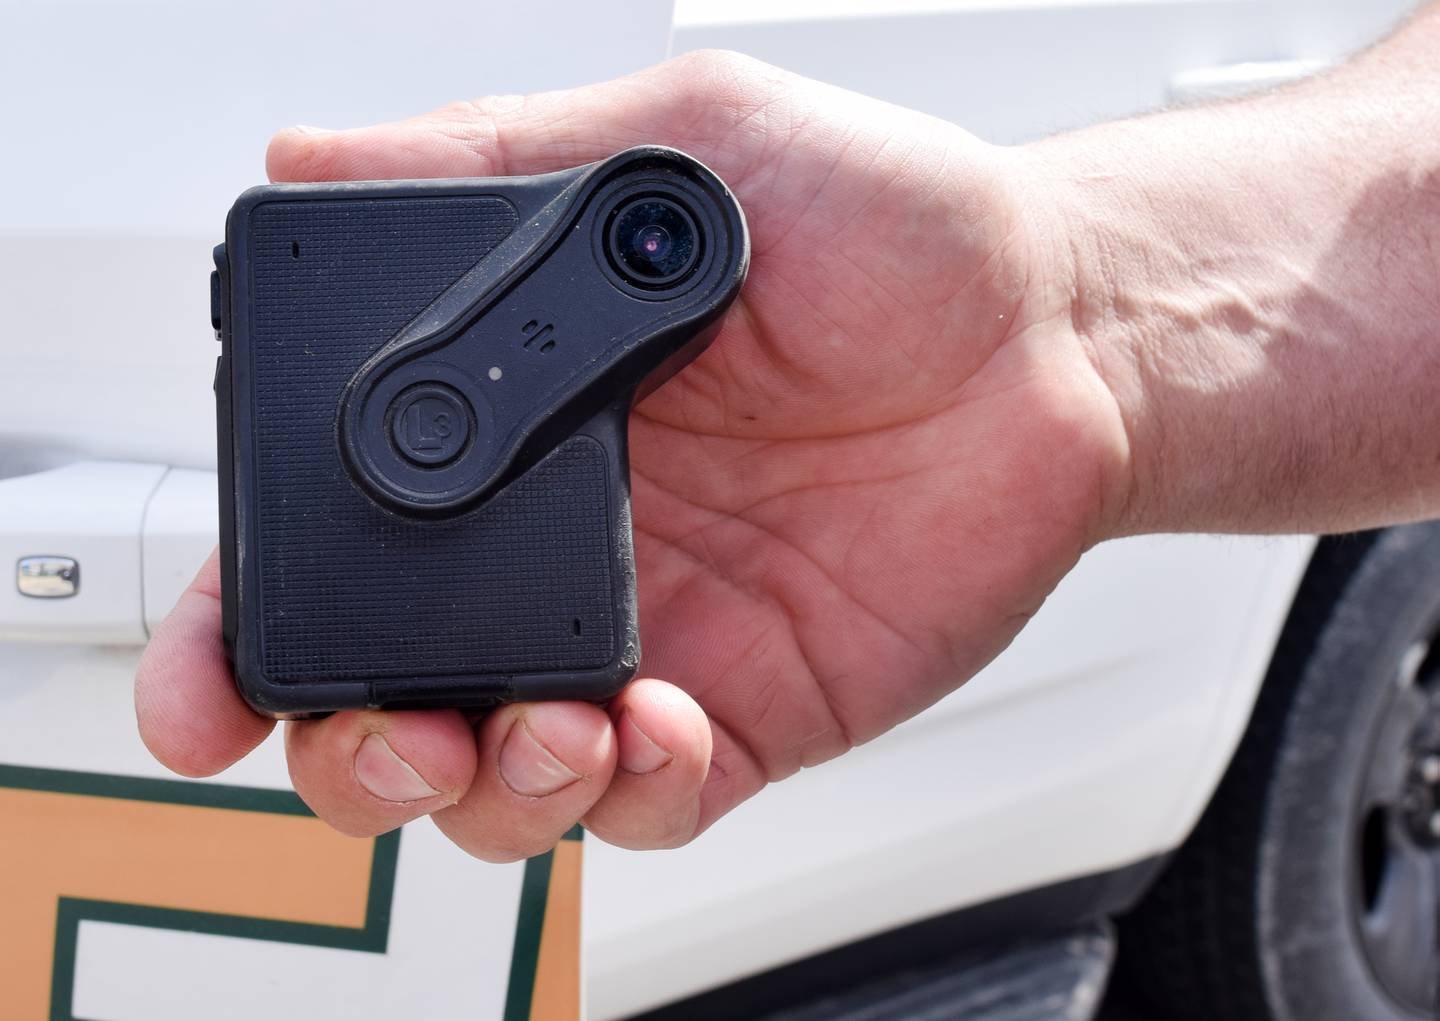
(674, 193)
(619, 248)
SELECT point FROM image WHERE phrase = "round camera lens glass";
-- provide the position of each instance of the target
(653, 241)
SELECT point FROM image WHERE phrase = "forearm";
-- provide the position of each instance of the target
(1258, 283)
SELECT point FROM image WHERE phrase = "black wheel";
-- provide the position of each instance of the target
(1310, 890)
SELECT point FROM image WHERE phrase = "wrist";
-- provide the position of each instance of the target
(1227, 270)
(1098, 225)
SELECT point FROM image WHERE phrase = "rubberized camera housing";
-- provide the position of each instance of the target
(422, 402)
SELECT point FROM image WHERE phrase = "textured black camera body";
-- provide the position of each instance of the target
(422, 399)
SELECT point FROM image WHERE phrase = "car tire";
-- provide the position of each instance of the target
(1310, 889)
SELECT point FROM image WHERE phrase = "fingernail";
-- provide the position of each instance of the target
(638, 753)
(529, 768)
(310, 129)
(386, 775)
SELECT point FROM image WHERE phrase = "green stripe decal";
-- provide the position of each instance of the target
(534, 890)
(372, 937)
(169, 792)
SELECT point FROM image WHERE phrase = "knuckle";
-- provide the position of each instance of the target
(727, 102)
(473, 125)
(723, 79)
(717, 66)
(486, 108)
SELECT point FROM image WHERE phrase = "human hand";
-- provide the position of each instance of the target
(846, 507)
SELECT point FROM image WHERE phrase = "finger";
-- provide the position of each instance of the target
(542, 766)
(366, 772)
(663, 744)
(190, 714)
(695, 102)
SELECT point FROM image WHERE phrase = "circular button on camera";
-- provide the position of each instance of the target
(431, 424)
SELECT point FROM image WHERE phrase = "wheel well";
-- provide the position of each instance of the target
(1220, 851)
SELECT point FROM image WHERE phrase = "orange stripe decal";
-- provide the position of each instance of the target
(60, 848)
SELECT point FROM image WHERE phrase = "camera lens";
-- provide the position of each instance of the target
(653, 241)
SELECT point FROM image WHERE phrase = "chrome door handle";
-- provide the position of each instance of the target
(98, 551)
(47, 577)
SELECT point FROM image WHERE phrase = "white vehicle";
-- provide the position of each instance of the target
(1240, 736)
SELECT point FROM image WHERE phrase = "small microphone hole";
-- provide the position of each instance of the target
(294, 249)
(576, 627)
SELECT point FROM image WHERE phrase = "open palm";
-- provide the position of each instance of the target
(847, 506)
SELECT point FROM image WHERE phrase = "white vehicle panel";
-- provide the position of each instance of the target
(92, 514)
(179, 534)
(1092, 743)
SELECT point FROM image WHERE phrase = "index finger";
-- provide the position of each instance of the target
(698, 102)
(190, 714)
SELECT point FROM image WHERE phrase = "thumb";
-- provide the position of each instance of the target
(697, 102)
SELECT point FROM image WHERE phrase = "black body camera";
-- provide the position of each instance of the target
(422, 398)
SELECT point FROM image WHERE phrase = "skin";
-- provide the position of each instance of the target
(953, 370)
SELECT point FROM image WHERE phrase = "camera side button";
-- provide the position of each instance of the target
(431, 424)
